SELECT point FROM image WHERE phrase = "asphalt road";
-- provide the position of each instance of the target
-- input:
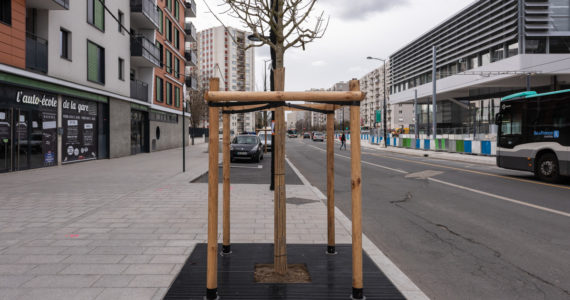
(458, 230)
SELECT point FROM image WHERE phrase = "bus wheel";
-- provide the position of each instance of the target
(547, 168)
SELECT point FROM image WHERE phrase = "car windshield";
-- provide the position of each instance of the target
(245, 140)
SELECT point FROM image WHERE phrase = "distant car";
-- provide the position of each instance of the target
(262, 138)
(317, 136)
(291, 134)
(306, 135)
(246, 147)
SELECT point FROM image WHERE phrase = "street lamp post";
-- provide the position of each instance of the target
(183, 137)
(384, 93)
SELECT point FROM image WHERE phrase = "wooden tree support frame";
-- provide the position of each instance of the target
(234, 102)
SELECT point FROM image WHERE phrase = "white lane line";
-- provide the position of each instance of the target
(402, 282)
(365, 162)
(565, 214)
(550, 210)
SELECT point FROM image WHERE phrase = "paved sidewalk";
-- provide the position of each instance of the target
(122, 228)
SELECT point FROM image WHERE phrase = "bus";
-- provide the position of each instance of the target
(534, 134)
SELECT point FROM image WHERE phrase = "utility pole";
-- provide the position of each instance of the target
(416, 114)
(434, 95)
(273, 38)
(183, 137)
(385, 123)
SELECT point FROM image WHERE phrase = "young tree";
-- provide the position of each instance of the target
(198, 109)
(281, 24)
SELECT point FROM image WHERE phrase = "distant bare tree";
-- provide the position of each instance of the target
(198, 109)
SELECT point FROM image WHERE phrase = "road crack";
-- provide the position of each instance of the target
(406, 198)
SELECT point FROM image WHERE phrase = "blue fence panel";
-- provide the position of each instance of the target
(395, 142)
(468, 146)
(486, 147)
(426, 144)
(417, 143)
(388, 142)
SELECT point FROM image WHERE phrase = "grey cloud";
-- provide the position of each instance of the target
(360, 9)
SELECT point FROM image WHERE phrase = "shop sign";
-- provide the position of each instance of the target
(25, 97)
(36, 99)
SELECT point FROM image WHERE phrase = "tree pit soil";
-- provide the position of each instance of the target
(296, 273)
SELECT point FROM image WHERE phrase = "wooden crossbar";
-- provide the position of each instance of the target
(232, 96)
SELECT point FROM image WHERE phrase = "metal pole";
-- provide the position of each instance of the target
(434, 97)
(183, 139)
(273, 38)
(416, 130)
(528, 81)
(385, 122)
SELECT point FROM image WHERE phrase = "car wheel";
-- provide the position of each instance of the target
(257, 158)
(547, 168)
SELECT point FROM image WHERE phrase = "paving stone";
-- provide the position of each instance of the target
(87, 269)
(61, 281)
(13, 281)
(41, 259)
(152, 281)
(61, 293)
(127, 294)
(149, 269)
(47, 269)
(93, 259)
(114, 281)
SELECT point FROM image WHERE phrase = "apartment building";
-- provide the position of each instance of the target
(222, 54)
(487, 50)
(75, 82)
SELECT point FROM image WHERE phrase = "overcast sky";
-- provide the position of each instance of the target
(357, 29)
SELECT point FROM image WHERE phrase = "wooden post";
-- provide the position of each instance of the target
(226, 246)
(280, 218)
(330, 184)
(356, 189)
(212, 264)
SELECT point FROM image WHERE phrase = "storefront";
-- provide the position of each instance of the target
(47, 127)
(139, 129)
(28, 129)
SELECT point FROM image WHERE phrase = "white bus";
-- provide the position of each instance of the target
(534, 134)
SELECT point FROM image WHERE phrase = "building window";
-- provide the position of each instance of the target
(176, 39)
(160, 21)
(176, 12)
(121, 69)
(96, 13)
(559, 44)
(159, 90)
(6, 12)
(177, 96)
(168, 93)
(95, 63)
(121, 17)
(168, 30)
(513, 49)
(176, 67)
(536, 45)
(64, 44)
(168, 61)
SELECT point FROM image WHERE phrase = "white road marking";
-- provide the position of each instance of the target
(550, 210)
(404, 284)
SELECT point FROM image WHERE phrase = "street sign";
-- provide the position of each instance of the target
(378, 116)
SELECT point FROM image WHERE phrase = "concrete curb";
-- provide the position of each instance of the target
(398, 278)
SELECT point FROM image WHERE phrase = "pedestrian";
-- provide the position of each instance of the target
(343, 141)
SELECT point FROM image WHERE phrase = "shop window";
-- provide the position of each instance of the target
(64, 44)
(473, 62)
(559, 45)
(6, 12)
(177, 96)
(168, 93)
(96, 13)
(485, 58)
(95, 63)
(121, 69)
(536, 45)
(497, 54)
(159, 90)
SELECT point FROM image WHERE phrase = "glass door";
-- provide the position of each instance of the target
(22, 140)
(5, 139)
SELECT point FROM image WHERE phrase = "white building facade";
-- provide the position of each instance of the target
(221, 54)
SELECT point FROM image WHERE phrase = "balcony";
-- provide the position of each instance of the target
(144, 15)
(48, 4)
(190, 56)
(139, 90)
(190, 31)
(190, 11)
(191, 82)
(36, 53)
(144, 53)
